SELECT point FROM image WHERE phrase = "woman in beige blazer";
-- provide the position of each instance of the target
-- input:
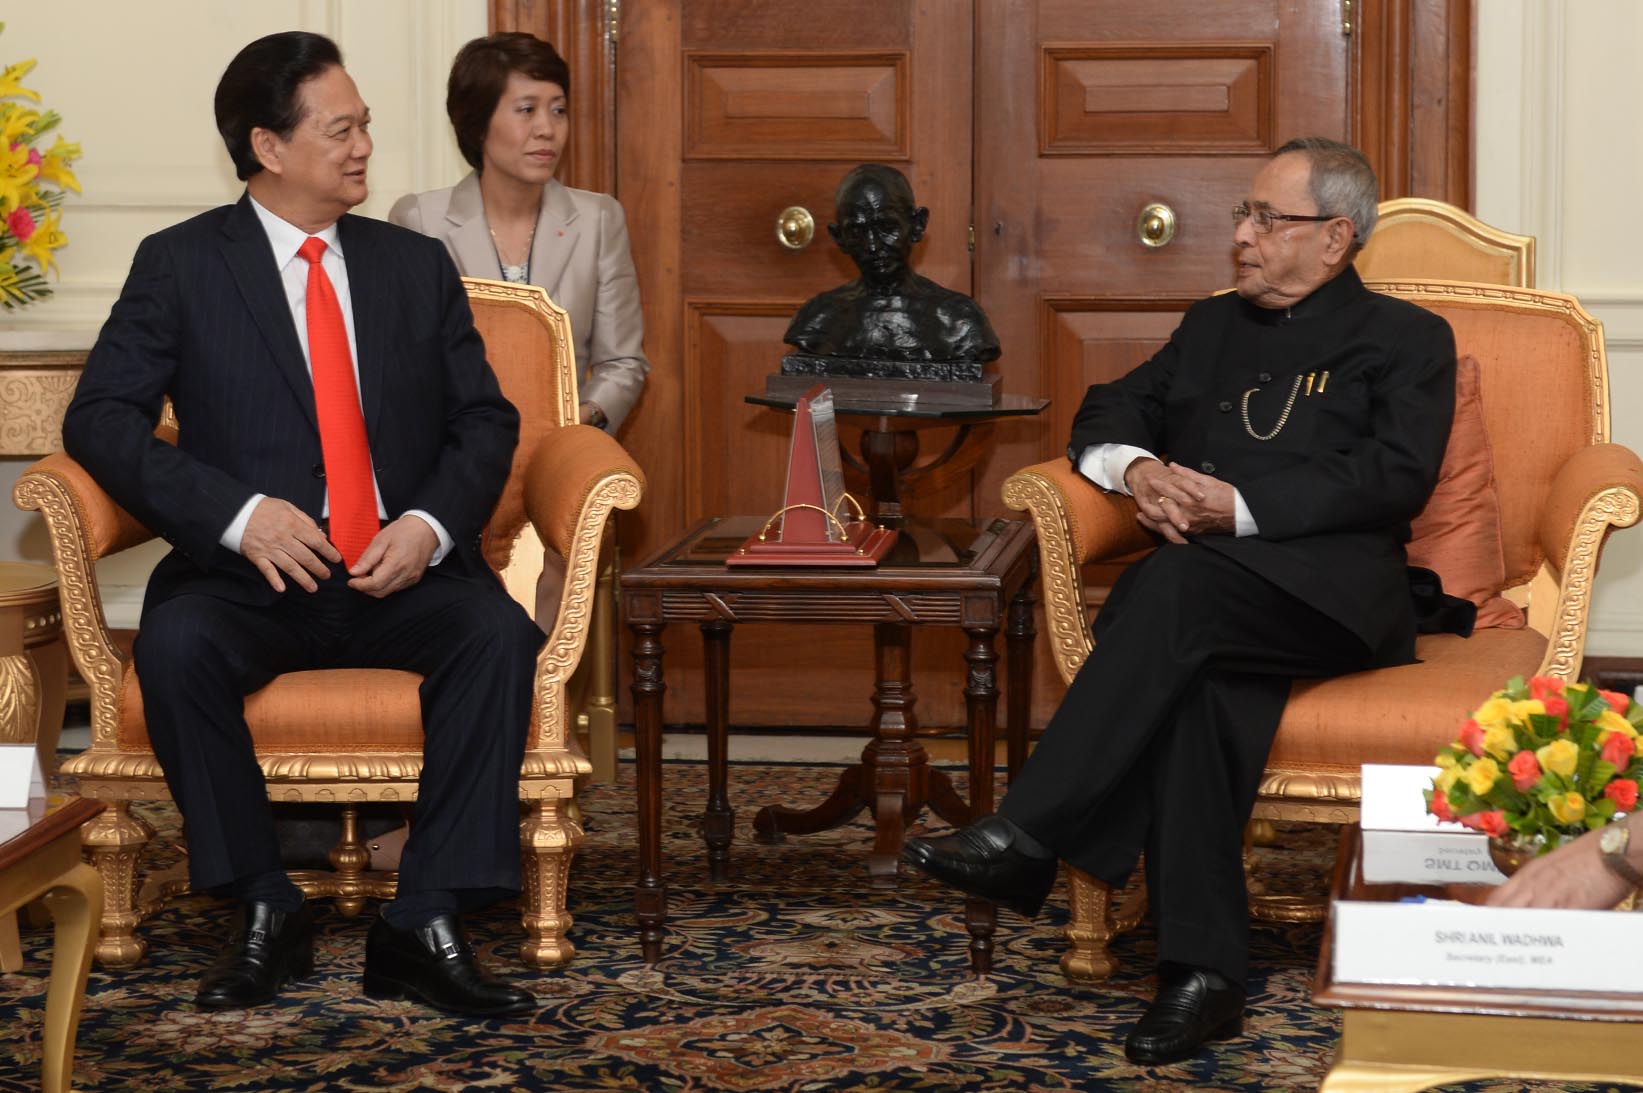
(512, 220)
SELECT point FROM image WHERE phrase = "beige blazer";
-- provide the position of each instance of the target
(580, 255)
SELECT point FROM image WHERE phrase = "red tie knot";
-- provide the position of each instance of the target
(312, 249)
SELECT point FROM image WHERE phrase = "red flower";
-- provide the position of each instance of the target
(21, 224)
(1617, 701)
(1471, 737)
(1557, 706)
(1542, 686)
(1618, 749)
(1525, 770)
(1440, 805)
(1623, 792)
(1492, 822)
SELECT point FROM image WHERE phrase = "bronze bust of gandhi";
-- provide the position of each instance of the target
(889, 322)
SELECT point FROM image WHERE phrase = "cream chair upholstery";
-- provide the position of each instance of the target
(1419, 238)
(353, 736)
(1563, 489)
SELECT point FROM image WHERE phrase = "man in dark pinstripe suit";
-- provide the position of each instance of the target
(215, 315)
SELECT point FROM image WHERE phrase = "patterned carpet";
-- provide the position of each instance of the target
(794, 977)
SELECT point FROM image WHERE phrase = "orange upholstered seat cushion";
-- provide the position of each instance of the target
(1458, 534)
(346, 710)
(1403, 714)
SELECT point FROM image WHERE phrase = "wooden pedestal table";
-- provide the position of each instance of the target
(41, 861)
(943, 574)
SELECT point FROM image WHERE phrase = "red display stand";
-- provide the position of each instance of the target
(810, 528)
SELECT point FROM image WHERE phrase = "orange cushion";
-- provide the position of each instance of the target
(1458, 534)
(343, 710)
(1403, 714)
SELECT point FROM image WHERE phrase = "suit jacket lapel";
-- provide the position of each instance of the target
(251, 262)
(557, 233)
(470, 236)
(368, 278)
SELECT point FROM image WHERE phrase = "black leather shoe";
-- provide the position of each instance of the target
(266, 948)
(1194, 1006)
(435, 963)
(986, 860)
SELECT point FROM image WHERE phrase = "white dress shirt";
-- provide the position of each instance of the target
(286, 239)
(1105, 464)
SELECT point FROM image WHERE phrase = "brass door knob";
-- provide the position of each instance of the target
(1156, 226)
(795, 227)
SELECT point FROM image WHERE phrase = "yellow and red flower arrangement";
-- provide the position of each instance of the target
(1542, 761)
(33, 178)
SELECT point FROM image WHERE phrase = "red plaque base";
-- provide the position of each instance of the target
(863, 545)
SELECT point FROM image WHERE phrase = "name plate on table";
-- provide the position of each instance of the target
(1444, 944)
(1405, 844)
(20, 777)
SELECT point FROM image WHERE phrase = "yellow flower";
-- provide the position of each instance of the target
(1482, 776)
(16, 176)
(54, 164)
(11, 81)
(1493, 712)
(1499, 741)
(47, 237)
(1521, 711)
(1567, 808)
(15, 123)
(1614, 722)
(1446, 778)
(1446, 759)
(1559, 757)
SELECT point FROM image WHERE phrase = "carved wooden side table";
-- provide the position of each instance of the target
(943, 574)
(33, 659)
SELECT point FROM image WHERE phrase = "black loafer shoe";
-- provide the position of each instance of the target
(266, 948)
(1194, 1006)
(986, 860)
(435, 963)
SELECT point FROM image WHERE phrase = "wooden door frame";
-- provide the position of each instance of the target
(1409, 88)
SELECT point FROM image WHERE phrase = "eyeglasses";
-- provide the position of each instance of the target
(1261, 217)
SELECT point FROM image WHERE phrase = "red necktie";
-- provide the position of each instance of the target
(341, 425)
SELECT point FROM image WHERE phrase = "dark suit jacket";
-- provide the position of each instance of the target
(203, 319)
(1333, 492)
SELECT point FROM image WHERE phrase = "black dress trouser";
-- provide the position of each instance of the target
(198, 656)
(1159, 744)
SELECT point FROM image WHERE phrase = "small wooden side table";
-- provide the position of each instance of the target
(33, 659)
(943, 574)
(42, 861)
(1399, 1039)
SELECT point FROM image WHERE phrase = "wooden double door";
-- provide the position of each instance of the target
(1079, 159)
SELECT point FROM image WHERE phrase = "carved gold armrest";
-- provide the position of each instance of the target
(1076, 523)
(1595, 492)
(577, 475)
(84, 524)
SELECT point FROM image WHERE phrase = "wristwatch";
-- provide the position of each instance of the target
(1612, 843)
(596, 416)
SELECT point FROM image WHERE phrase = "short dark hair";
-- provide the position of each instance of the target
(258, 90)
(480, 73)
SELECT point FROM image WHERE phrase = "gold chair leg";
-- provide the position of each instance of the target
(115, 841)
(593, 688)
(1097, 915)
(547, 840)
(349, 858)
